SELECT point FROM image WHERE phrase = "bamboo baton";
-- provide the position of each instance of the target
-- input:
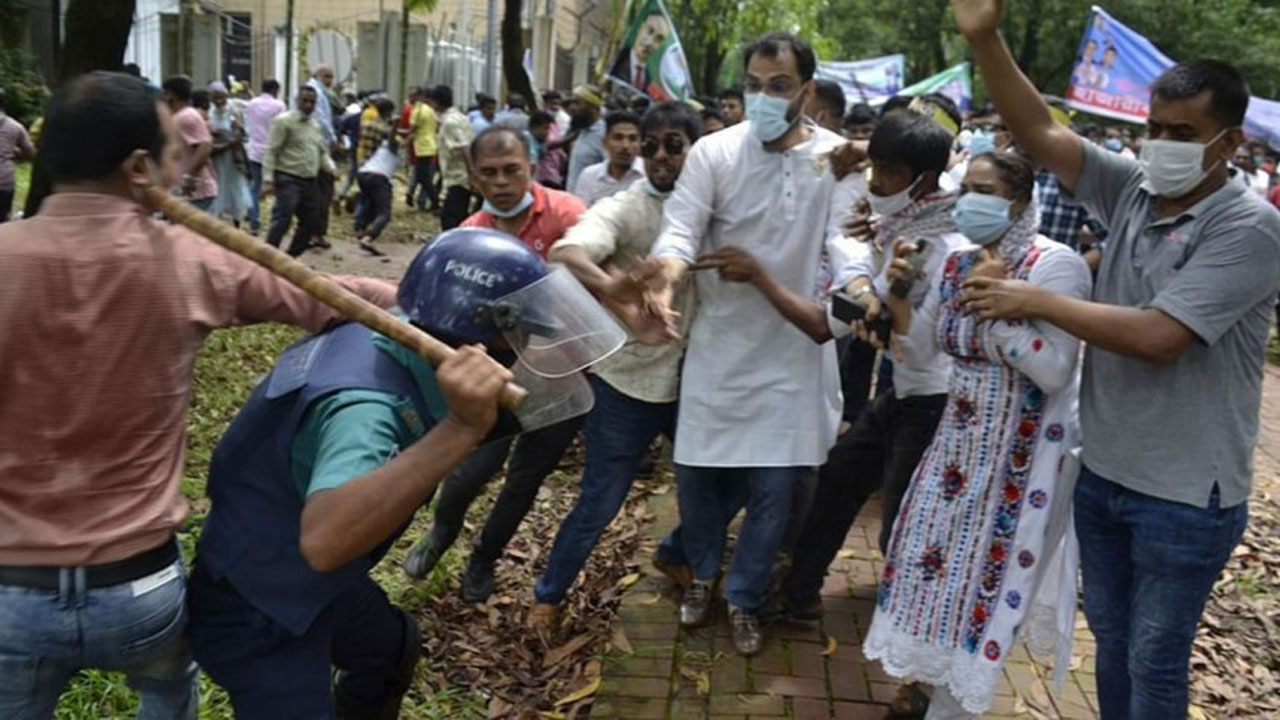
(319, 286)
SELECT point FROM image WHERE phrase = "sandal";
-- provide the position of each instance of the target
(370, 248)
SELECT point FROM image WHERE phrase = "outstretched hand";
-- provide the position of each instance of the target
(641, 299)
(998, 299)
(733, 263)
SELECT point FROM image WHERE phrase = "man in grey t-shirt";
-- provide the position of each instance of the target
(15, 145)
(1173, 371)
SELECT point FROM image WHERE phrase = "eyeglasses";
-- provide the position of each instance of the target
(673, 144)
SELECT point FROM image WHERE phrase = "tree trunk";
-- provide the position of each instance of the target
(404, 52)
(513, 50)
(96, 34)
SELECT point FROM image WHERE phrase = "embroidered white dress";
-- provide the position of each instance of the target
(986, 512)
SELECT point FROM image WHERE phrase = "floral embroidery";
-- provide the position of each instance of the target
(1037, 344)
(992, 650)
(1014, 598)
(886, 585)
(965, 414)
(931, 562)
(1026, 558)
(953, 482)
(1038, 499)
(1053, 433)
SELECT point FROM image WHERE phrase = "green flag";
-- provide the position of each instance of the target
(955, 82)
(651, 60)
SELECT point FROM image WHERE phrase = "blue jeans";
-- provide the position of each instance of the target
(255, 196)
(769, 493)
(619, 431)
(46, 636)
(1148, 566)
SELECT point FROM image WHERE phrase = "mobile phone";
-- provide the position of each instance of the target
(924, 249)
(847, 310)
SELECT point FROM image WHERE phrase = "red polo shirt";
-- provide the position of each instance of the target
(552, 214)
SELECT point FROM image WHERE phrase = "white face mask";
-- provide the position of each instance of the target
(768, 116)
(1173, 168)
(888, 205)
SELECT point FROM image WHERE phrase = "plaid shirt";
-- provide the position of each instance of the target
(1060, 215)
(372, 134)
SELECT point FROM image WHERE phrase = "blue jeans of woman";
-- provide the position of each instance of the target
(1148, 566)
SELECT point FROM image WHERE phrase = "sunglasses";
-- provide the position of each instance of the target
(673, 144)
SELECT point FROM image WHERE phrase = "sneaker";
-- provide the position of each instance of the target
(477, 582)
(681, 575)
(425, 554)
(695, 606)
(746, 631)
(544, 619)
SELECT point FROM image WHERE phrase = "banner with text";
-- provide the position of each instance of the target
(1116, 66)
(956, 82)
(651, 60)
(870, 81)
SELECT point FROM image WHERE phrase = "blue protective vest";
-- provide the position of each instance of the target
(251, 536)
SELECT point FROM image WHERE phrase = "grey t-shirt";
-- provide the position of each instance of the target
(1175, 430)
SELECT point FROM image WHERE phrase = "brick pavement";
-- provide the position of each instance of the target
(793, 676)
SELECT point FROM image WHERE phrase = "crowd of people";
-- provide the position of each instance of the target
(1040, 341)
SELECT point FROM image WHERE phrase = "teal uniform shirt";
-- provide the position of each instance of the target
(350, 432)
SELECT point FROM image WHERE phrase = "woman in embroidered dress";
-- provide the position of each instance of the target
(985, 511)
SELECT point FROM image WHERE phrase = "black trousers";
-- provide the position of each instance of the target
(325, 182)
(295, 197)
(457, 206)
(6, 203)
(881, 450)
(536, 454)
(375, 212)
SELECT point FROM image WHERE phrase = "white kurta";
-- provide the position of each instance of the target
(755, 390)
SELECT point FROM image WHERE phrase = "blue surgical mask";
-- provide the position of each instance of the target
(981, 142)
(1113, 144)
(982, 218)
(513, 211)
(768, 116)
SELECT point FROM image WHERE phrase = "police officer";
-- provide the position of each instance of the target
(337, 448)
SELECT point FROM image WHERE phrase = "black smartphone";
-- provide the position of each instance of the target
(845, 308)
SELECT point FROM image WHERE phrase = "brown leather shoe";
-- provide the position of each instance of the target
(681, 575)
(544, 619)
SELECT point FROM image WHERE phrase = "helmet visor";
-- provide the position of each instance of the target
(551, 400)
(555, 326)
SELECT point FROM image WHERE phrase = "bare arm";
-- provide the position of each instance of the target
(737, 265)
(1143, 333)
(201, 157)
(591, 275)
(347, 522)
(1024, 111)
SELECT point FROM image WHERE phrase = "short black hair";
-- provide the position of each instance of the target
(515, 100)
(132, 69)
(485, 99)
(773, 44)
(860, 114)
(830, 96)
(179, 86)
(913, 140)
(552, 96)
(946, 105)
(710, 113)
(497, 136)
(732, 92)
(620, 117)
(1016, 170)
(1229, 93)
(385, 105)
(897, 102)
(443, 95)
(200, 99)
(674, 114)
(271, 87)
(538, 118)
(95, 121)
(307, 89)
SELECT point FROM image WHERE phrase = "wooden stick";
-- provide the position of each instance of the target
(318, 285)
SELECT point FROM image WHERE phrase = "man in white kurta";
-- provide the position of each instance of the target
(760, 402)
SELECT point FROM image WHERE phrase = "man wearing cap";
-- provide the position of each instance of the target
(586, 123)
(502, 169)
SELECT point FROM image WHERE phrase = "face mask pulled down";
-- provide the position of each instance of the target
(768, 116)
(1173, 168)
(890, 205)
(511, 212)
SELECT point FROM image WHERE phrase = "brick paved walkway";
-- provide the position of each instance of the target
(793, 676)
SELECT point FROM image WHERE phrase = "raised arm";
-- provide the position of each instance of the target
(1023, 110)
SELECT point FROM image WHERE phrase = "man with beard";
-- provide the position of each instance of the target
(588, 129)
(636, 389)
